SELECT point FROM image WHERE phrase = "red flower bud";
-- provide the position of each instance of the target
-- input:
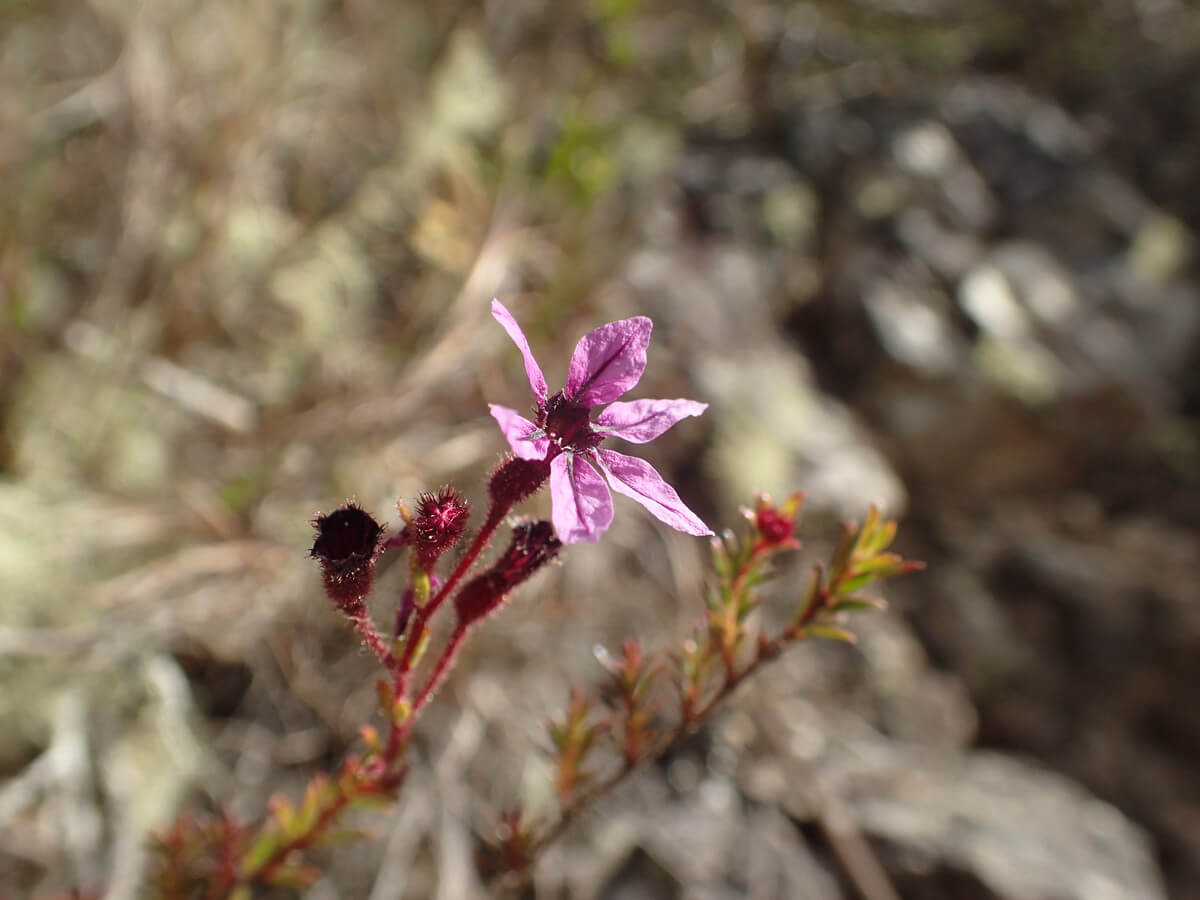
(345, 547)
(478, 597)
(533, 545)
(438, 525)
(776, 525)
(774, 528)
(514, 480)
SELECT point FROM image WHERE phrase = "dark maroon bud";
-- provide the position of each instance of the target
(515, 479)
(533, 545)
(345, 547)
(478, 597)
(438, 525)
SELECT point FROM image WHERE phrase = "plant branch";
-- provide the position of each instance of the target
(449, 652)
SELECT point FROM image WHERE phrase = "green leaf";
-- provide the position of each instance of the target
(810, 594)
(867, 533)
(845, 548)
(754, 579)
(372, 801)
(266, 844)
(558, 736)
(893, 567)
(850, 585)
(401, 710)
(878, 563)
(283, 813)
(830, 633)
(319, 791)
(422, 640)
(767, 572)
(420, 586)
(861, 604)
(881, 539)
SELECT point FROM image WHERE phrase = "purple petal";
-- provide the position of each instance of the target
(537, 380)
(636, 478)
(608, 361)
(583, 507)
(515, 427)
(644, 420)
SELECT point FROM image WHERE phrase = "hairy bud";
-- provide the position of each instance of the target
(533, 545)
(438, 525)
(345, 547)
(515, 479)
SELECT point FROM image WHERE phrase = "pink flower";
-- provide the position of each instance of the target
(606, 363)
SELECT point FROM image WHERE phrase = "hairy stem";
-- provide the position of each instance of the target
(491, 523)
(370, 635)
(449, 652)
(425, 613)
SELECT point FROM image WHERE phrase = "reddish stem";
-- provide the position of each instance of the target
(425, 613)
(449, 652)
(491, 523)
(371, 637)
(226, 877)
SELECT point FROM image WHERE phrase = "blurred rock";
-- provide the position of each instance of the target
(1024, 832)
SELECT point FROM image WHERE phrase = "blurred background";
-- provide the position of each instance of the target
(939, 255)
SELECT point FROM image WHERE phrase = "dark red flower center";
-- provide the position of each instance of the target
(567, 424)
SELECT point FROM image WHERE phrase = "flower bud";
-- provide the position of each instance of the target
(514, 480)
(533, 545)
(478, 597)
(438, 525)
(345, 547)
(776, 525)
